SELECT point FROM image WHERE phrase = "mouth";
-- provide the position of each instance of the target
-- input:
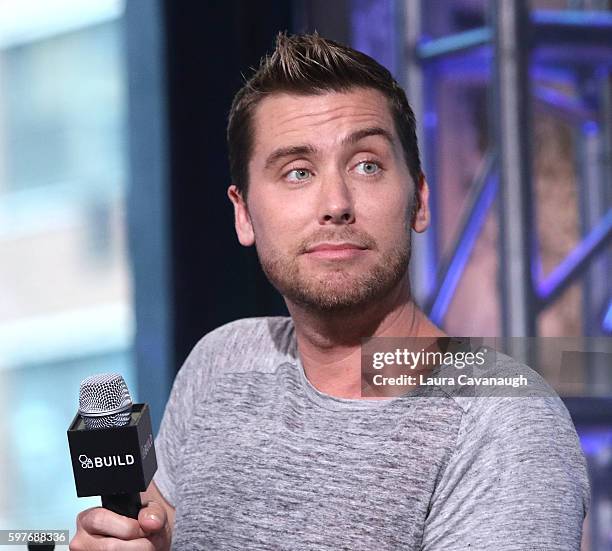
(335, 251)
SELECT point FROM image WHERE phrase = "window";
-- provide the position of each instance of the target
(65, 299)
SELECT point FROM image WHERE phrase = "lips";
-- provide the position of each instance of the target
(334, 247)
(335, 251)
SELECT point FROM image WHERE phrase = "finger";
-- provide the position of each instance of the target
(112, 544)
(152, 517)
(102, 522)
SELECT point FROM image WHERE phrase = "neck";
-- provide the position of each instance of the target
(329, 344)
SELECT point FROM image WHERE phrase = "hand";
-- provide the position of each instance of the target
(103, 530)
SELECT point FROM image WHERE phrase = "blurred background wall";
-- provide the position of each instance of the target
(65, 292)
(117, 249)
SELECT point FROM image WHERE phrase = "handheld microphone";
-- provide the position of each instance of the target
(111, 444)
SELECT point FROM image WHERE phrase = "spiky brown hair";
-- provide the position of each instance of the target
(308, 64)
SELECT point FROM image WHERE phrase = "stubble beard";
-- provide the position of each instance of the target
(339, 289)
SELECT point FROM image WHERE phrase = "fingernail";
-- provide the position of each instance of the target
(152, 516)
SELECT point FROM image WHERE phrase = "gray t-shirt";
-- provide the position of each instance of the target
(252, 456)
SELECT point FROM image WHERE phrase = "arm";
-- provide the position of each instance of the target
(517, 480)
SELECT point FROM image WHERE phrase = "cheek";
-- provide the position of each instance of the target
(386, 215)
(277, 226)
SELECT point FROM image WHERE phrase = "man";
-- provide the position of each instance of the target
(266, 442)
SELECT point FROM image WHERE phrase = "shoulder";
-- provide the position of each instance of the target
(524, 434)
(250, 344)
(517, 477)
(277, 330)
(245, 344)
(507, 411)
(534, 426)
(503, 393)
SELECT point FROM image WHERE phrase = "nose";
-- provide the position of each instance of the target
(336, 202)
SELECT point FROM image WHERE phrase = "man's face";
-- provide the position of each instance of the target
(331, 200)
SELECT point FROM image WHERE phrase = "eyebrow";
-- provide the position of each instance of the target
(291, 151)
(308, 149)
(359, 135)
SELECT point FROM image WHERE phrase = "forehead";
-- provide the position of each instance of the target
(283, 119)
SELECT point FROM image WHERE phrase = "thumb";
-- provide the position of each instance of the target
(152, 518)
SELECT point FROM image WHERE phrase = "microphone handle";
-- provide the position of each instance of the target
(127, 505)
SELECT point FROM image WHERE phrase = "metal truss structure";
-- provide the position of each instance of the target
(515, 48)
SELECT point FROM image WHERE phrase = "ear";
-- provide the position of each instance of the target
(242, 219)
(422, 215)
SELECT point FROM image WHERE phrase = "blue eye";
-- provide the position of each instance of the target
(368, 168)
(299, 174)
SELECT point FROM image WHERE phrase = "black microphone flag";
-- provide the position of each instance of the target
(115, 462)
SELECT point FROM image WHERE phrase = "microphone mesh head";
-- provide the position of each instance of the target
(100, 397)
